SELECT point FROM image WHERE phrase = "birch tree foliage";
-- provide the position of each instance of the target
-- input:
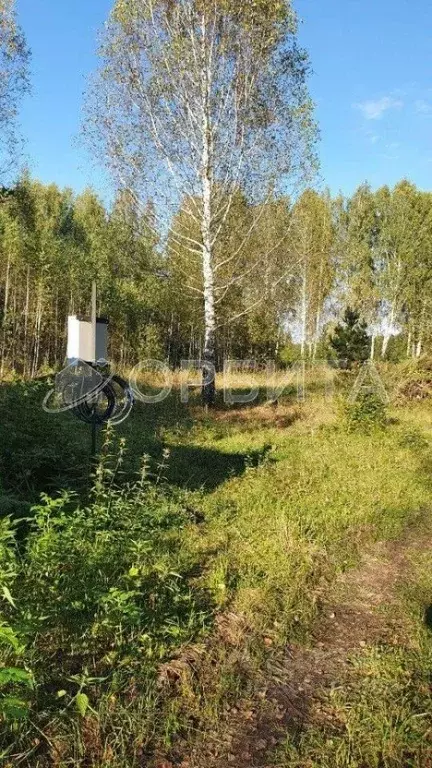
(357, 236)
(397, 234)
(14, 56)
(195, 100)
(311, 241)
(417, 273)
(254, 295)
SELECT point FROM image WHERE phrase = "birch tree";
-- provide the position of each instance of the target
(394, 252)
(311, 239)
(357, 279)
(417, 272)
(195, 100)
(14, 56)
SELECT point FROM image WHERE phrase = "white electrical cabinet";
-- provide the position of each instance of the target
(84, 343)
(101, 339)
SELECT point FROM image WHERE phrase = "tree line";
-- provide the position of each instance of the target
(371, 252)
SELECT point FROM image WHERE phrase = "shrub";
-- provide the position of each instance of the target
(367, 412)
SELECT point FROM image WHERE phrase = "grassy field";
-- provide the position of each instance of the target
(160, 613)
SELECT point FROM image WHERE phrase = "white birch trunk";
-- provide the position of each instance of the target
(304, 311)
(419, 345)
(387, 335)
(385, 345)
(38, 323)
(319, 303)
(317, 333)
(408, 352)
(207, 246)
(5, 316)
(26, 320)
(372, 352)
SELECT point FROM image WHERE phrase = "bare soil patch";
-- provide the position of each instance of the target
(363, 610)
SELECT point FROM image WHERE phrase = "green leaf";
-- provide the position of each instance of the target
(8, 637)
(13, 709)
(7, 595)
(61, 694)
(82, 703)
(15, 675)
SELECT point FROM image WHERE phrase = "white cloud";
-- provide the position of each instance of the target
(374, 110)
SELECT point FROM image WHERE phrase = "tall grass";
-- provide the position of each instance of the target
(138, 610)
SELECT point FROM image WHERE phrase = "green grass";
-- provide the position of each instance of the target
(141, 607)
(384, 717)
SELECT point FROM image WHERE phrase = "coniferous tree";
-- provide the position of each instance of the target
(350, 339)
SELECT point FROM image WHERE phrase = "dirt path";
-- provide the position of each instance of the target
(293, 692)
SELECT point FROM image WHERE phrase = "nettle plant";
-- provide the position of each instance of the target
(16, 679)
(113, 575)
(16, 683)
(110, 587)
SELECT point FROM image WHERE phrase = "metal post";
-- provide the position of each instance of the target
(93, 317)
(94, 442)
(93, 321)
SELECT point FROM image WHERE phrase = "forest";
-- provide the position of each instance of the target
(371, 252)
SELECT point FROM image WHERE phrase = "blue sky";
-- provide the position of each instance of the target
(372, 85)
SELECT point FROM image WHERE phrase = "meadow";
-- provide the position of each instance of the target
(249, 585)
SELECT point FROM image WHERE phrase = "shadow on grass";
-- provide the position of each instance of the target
(191, 467)
(194, 468)
(43, 452)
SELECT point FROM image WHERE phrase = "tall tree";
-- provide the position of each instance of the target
(417, 273)
(311, 239)
(357, 241)
(14, 56)
(196, 99)
(395, 247)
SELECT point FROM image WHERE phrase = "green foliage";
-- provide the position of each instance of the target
(15, 682)
(290, 353)
(368, 411)
(38, 451)
(14, 60)
(350, 340)
(113, 580)
(113, 573)
(108, 640)
(53, 244)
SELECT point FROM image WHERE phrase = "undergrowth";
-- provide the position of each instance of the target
(134, 615)
(100, 596)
